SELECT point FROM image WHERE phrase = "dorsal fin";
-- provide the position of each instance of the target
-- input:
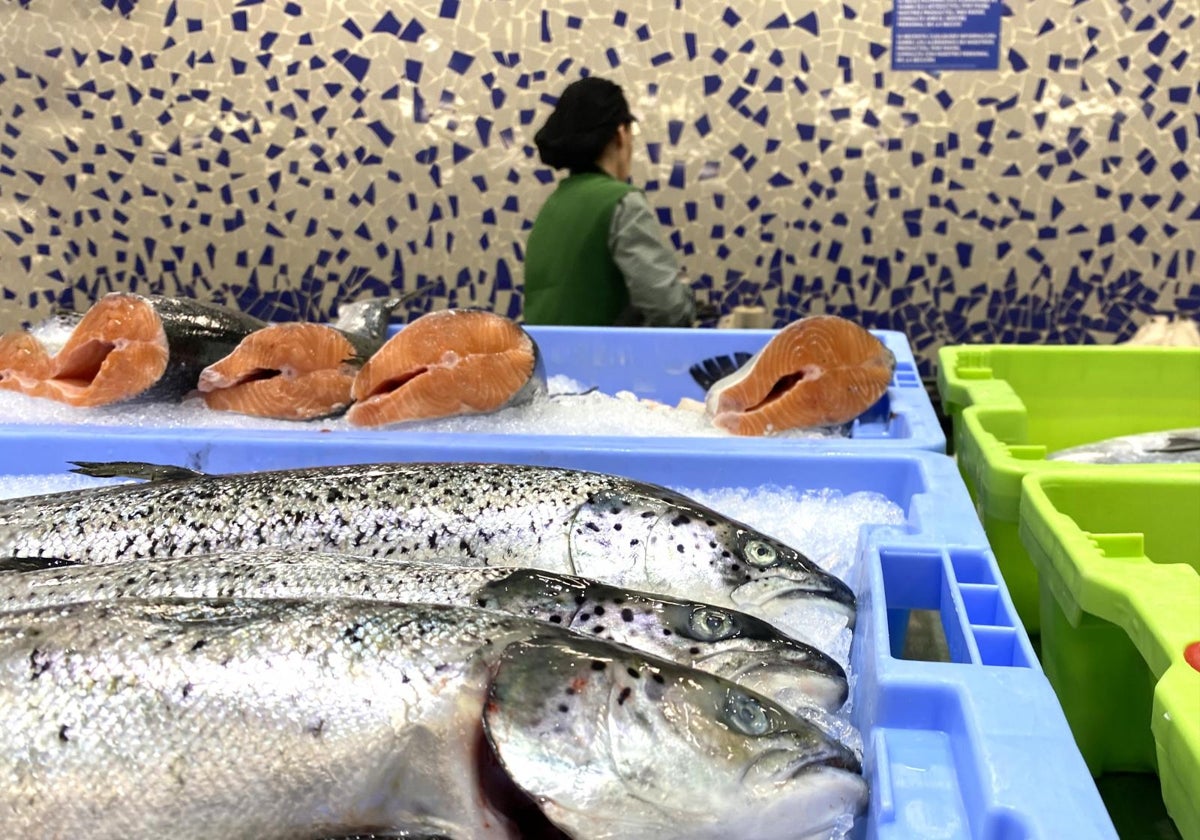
(133, 469)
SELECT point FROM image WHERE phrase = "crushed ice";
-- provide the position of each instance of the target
(567, 409)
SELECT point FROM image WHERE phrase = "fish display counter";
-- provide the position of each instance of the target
(972, 746)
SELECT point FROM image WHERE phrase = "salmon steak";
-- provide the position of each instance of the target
(447, 363)
(293, 371)
(117, 350)
(125, 346)
(818, 371)
(298, 371)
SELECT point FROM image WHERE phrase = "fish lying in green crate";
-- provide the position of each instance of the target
(1118, 558)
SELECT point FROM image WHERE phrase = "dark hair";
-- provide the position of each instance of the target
(588, 113)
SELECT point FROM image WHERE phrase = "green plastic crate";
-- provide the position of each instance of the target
(1010, 405)
(1118, 558)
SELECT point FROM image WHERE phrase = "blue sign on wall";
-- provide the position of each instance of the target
(946, 35)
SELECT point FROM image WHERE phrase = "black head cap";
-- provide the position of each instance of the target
(588, 113)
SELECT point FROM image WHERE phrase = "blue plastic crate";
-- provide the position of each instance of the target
(976, 747)
(654, 363)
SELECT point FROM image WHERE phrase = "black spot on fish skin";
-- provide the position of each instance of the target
(592, 526)
(599, 628)
(186, 691)
(564, 708)
(627, 614)
(624, 695)
(598, 611)
(39, 664)
(681, 519)
(694, 651)
(316, 729)
(199, 644)
(62, 733)
(658, 678)
(556, 619)
(680, 548)
(633, 672)
(597, 665)
(584, 616)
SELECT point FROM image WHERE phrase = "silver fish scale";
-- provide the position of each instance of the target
(269, 573)
(243, 719)
(409, 510)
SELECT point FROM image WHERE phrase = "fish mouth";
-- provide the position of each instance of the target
(826, 589)
(793, 685)
(787, 763)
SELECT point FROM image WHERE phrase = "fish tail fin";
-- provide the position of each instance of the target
(369, 317)
(132, 469)
(709, 371)
(1180, 443)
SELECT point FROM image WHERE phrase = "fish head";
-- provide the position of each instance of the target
(600, 735)
(723, 641)
(660, 541)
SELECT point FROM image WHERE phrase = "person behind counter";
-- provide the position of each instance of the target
(595, 255)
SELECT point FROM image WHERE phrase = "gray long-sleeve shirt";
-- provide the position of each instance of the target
(656, 292)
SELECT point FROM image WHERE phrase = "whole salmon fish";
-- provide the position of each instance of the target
(626, 533)
(286, 719)
(726, 642)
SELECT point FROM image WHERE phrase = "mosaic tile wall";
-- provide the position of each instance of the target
(286, 155)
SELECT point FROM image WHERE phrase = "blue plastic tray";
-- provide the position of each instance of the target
(653, 363)
(976, 747)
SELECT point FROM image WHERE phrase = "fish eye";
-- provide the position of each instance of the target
(745, 714)
(708, 624)
(759, 553)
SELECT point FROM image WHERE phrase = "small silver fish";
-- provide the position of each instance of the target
(725, 642)
(627, 533)
(285, 719)
(1177, 446)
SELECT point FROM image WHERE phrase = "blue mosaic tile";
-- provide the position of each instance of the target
(341, 131)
